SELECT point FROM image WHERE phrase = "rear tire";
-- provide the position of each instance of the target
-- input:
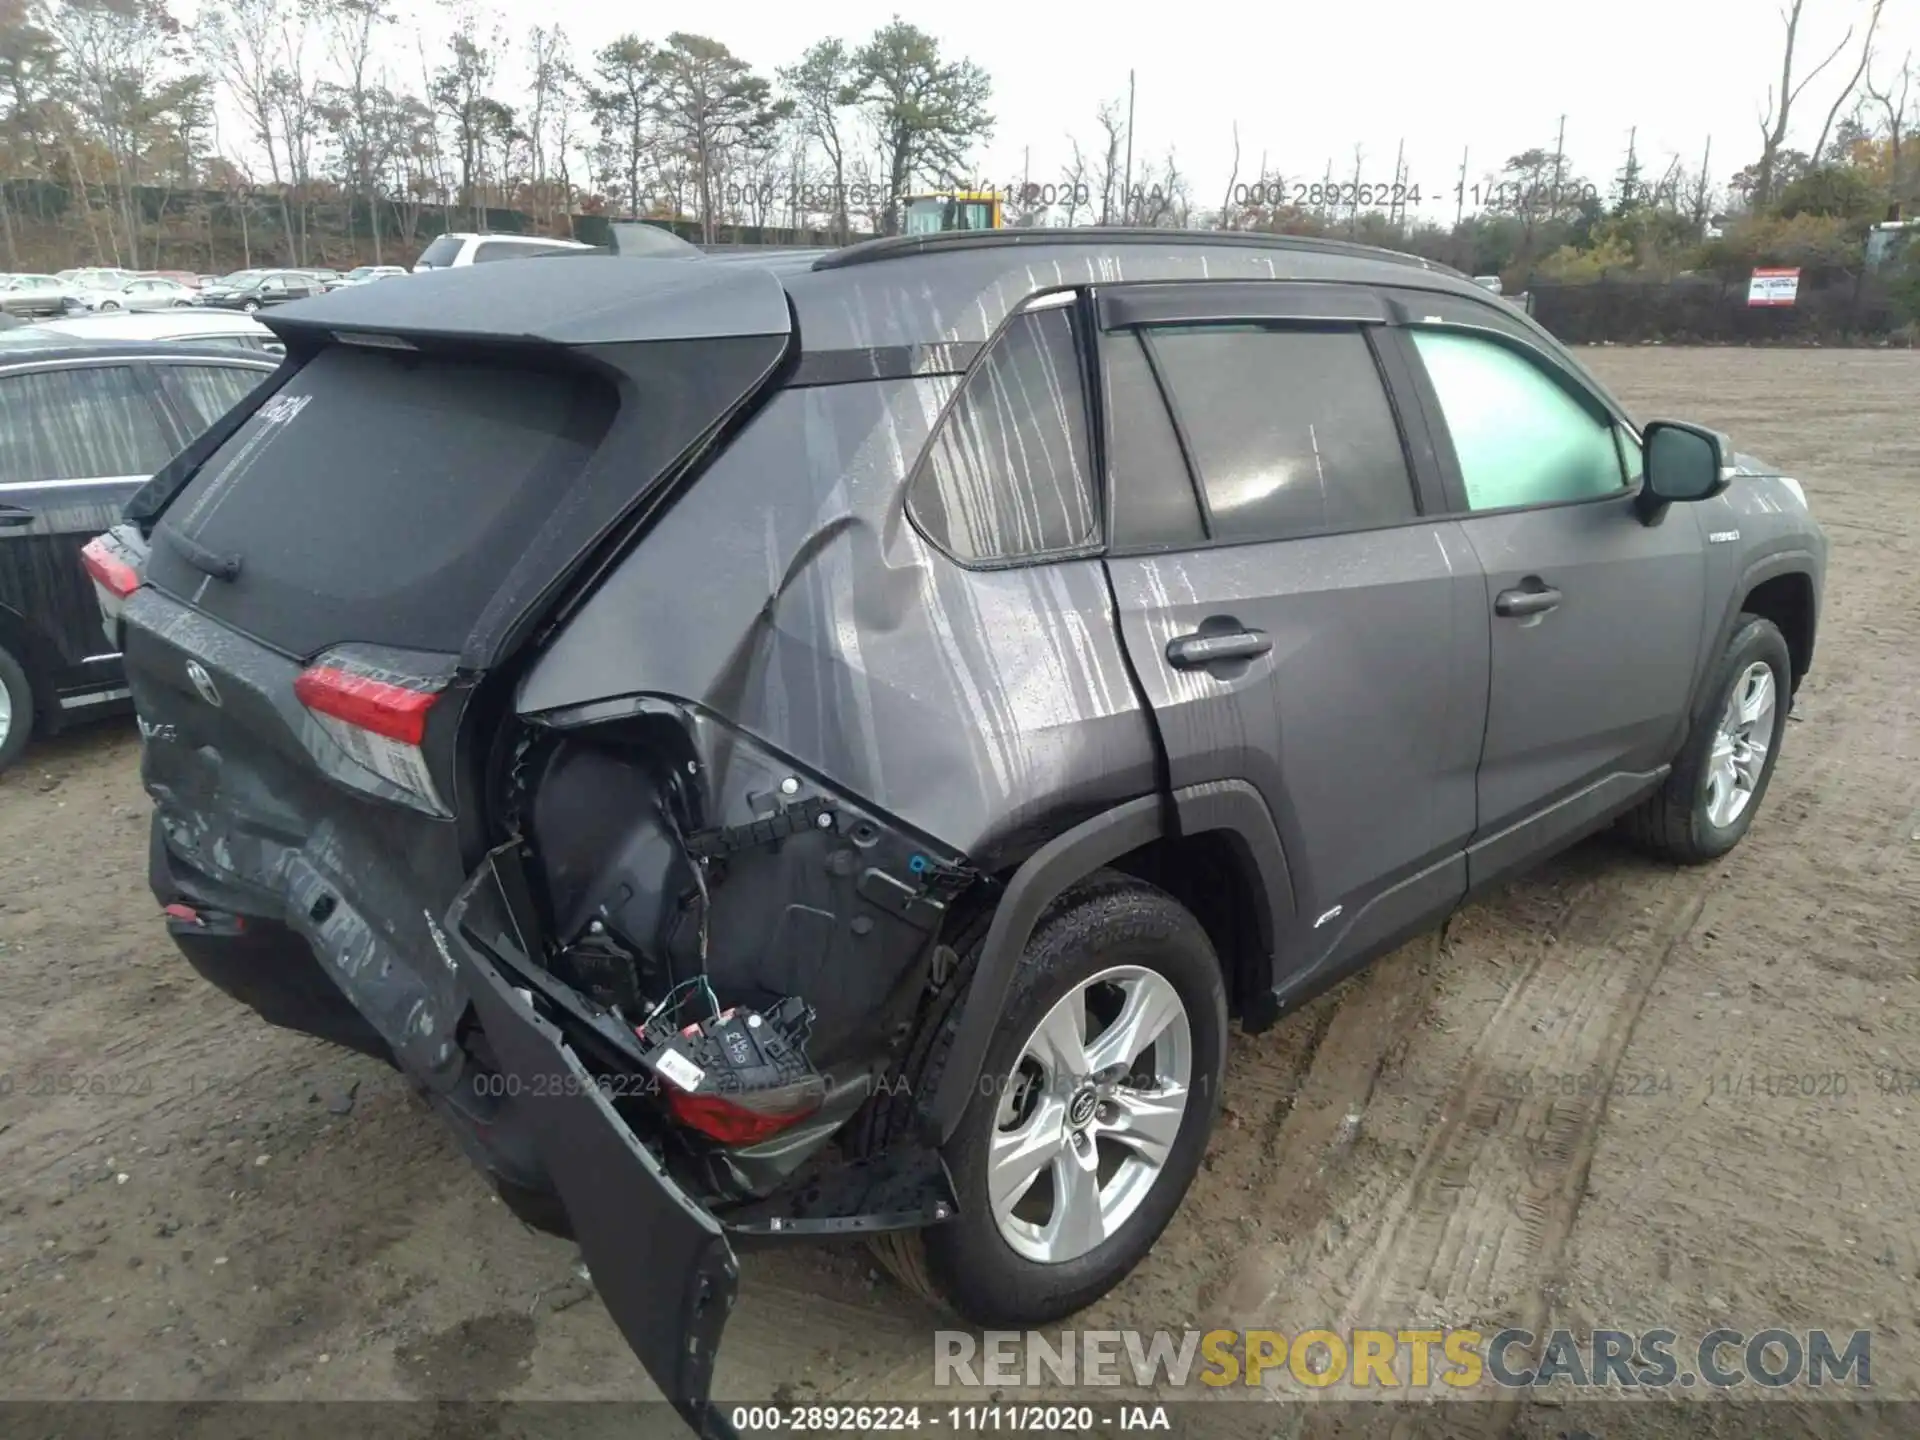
(16, 708)
(1708, 802)
(1112, 941)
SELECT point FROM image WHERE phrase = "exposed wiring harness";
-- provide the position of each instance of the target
(669, 812)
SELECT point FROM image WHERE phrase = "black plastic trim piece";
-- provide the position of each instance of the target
(882, 362)
(1199, 302)
(1230, 805)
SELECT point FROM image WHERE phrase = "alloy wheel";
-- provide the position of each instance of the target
(1740, 744)
(1093, 1108)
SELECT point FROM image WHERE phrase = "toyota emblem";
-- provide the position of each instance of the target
(203, 682)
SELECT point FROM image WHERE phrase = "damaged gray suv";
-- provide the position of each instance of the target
(820, 745)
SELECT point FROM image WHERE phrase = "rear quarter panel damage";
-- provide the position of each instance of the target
(788, 593)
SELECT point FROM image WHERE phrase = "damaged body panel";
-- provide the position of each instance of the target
(664, 707)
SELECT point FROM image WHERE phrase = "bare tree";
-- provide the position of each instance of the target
(1894, 104)
(821, 87)
(1866, 59)
(353, 107)
(1233, 177)
(547, 50)
(119, 55)
(292, 98)
(1113, 134)
(241, 39)
(1773, 127)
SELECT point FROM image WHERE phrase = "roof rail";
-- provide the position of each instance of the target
(893, 247)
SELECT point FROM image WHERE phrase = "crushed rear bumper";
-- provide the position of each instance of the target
(660, 1261)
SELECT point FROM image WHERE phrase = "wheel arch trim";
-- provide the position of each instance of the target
(1772, 566)
(1231, 806)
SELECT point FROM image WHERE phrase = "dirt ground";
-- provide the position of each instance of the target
(246, 1213)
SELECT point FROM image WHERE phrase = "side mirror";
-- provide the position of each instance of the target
(1683, 462)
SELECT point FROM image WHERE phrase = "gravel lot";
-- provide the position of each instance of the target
(245, 1213)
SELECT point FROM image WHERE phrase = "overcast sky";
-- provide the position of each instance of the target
(1307, 83)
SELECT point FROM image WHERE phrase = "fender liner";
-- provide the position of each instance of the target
(1791, 561)
(1233, 806)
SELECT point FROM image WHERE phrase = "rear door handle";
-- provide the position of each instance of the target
(1191, 652)
(1531, 600)
(12, 517)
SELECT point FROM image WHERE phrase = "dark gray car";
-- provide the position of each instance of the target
(783, 747)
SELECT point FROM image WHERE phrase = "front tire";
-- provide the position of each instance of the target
(16, 708)
(1093, 1110)
(1709, 800)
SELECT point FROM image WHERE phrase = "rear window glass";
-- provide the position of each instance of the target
(443, 251)
(382, 496)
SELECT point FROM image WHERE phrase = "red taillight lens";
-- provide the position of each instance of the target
(115, 574)
(380, 722)
(731, 1121)
(390, 710)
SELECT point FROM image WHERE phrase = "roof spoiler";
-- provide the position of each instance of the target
(636, 237)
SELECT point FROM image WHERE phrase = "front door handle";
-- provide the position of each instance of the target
(1531, 599)
(12, 517)
(1191, 652)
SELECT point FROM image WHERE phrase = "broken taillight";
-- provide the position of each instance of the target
(743, 1119)
(741, 1076)
(379, 719)
(108, 570)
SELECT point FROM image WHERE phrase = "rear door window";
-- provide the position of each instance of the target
(204, 393)
(382, 496)
(79, 423)
(442, 252)
(1009, 474)
(1289, 429)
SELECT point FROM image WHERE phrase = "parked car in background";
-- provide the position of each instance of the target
(366, 274)
(96, 277)
(29, 295)
(456, 249)
(143, 292)
(82, 426)
(180, 277)
(1139, 628)
(196, 326)
(264, 288)
(329, 279)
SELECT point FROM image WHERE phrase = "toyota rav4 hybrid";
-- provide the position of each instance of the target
(820, 745)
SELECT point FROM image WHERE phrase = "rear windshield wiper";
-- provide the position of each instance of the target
(208, 562)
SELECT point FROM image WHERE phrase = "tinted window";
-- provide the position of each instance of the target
(1153, 499)
(383, 497)
(1289, 429)
(442, 252)
(224, 342)
(206, 392)
(78, 423)
(1008, 474)
(1522, 438)
(514, 250)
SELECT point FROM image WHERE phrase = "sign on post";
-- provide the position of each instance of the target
(1773, 287)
